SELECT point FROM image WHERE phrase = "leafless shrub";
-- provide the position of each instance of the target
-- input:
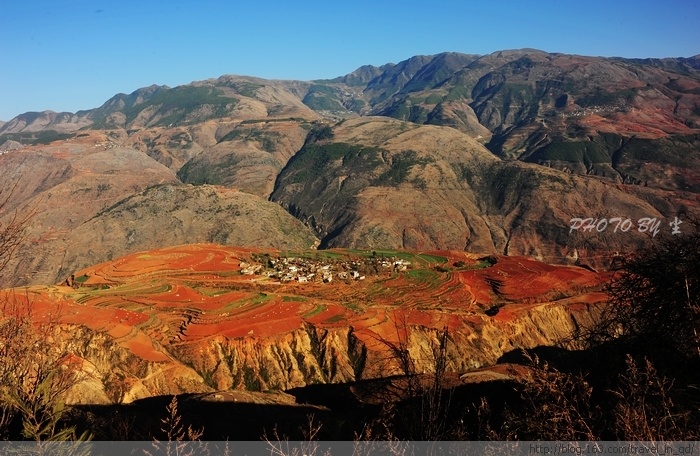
(435, 403)
(654, 305)
(418, 408)
(279, 444)
(556, 406)
(645, 410)
(12, 230)
(177, 438)
(484, 429)
(560, 406)
(34, 373)
(173, 428)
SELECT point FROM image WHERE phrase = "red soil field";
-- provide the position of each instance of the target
(185, 294)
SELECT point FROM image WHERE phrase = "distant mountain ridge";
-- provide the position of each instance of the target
(519, 96)
(416, 74)
(494, 153)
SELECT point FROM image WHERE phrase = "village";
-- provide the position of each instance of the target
(305, 270)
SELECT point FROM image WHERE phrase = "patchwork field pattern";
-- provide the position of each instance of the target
(153, 301)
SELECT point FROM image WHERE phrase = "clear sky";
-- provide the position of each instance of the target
(67, 55)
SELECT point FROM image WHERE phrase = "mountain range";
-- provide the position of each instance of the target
(492, 154)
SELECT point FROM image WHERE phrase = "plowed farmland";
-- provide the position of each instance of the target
(201, 305)
(184, 294)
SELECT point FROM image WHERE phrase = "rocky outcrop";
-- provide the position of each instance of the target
(110, 373)
(306, 356)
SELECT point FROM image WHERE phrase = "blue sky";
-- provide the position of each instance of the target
(67, 55)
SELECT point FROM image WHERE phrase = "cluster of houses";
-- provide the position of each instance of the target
(10, 146)
(105, 145)
(305, 270)
(583, 112)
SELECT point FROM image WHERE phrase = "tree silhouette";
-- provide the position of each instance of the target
(654, 306)
(34, 372)
(11, 229)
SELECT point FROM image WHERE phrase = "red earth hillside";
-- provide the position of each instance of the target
(163, 304)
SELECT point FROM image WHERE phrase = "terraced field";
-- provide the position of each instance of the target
(163, 303)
